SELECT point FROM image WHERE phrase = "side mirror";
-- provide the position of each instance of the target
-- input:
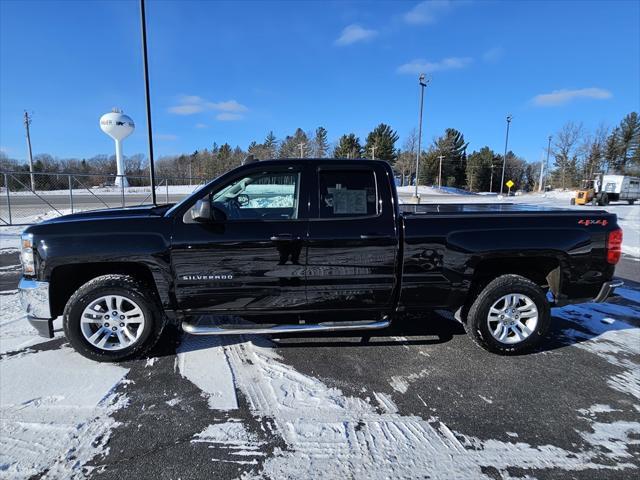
(201, 211)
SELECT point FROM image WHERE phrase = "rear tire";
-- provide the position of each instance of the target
(89, 324)
(631, 202)
(521, 324)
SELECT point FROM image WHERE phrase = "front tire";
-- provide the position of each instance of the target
(510, 316)
(112, 318)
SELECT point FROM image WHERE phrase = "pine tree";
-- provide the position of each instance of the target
(478, 168)
(320, 143)
(629, 139)
(348, 147)
(381, 143)
(270, 146)
(452, 147)
(612, 150)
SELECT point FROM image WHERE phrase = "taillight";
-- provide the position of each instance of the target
(614, 246)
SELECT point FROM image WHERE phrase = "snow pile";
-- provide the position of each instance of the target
(616, 342)
(275, 201)
(15, 332)
(60, 418)
(202, 361)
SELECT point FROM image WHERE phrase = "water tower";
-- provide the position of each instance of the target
(118, 126)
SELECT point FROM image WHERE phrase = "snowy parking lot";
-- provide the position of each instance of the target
(419, 400)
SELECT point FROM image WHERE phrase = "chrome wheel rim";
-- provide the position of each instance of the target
(512, 318)
(112, 322)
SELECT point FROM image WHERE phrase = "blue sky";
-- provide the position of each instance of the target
(232, 71)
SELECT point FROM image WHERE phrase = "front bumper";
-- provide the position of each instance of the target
(34, 297)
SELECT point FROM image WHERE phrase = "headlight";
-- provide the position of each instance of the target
(27, 256)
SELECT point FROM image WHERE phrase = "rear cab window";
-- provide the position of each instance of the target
(347, 193)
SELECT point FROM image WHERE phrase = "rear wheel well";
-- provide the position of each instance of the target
(66, 279)
(544, 271)
(535, 269)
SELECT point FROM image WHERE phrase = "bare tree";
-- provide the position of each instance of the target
(407, 157)
(564, 151)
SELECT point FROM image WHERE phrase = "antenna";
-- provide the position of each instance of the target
(118, 126)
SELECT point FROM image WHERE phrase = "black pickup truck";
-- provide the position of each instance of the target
(310, 245)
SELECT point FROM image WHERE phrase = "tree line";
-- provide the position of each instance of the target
(576, 154)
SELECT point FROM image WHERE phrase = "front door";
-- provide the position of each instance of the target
(251, 256)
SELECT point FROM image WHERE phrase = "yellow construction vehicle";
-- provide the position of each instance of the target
(586, 194)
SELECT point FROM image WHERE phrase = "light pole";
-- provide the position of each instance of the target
(147, 95)
(504, 159)
(440, 157)
(423, 83)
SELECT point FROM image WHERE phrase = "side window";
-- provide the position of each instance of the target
(347, 193)
(259, 196)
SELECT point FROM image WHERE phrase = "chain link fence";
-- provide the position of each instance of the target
(27, 198)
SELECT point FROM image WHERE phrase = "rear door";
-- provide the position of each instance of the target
(352, 242)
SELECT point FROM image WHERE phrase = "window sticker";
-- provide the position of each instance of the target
(351, 202)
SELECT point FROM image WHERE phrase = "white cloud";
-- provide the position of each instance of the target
(425, 13)
(166, 136)
(228, 106)
(228, 117)
(423, 66)
(355, 33)
(562, 97)
(192, 104)
(493, 54)
(202, 125)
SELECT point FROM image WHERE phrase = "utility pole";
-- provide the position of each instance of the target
(541, 175)
(301, 145)
(504, 159)
(423, 83)
(373, 151)
(27, 122)
(491, 177)
(145, 63)
(440, 171)
(546, 166)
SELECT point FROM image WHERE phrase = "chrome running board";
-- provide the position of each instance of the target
(285, 328)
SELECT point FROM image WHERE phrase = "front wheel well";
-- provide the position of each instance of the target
(66, 279)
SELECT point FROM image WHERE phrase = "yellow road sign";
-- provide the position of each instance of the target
(509, 183)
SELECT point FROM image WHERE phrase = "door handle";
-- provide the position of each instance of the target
(284, 237)
(375, 236)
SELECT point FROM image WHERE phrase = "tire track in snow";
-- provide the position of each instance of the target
(330, 435)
